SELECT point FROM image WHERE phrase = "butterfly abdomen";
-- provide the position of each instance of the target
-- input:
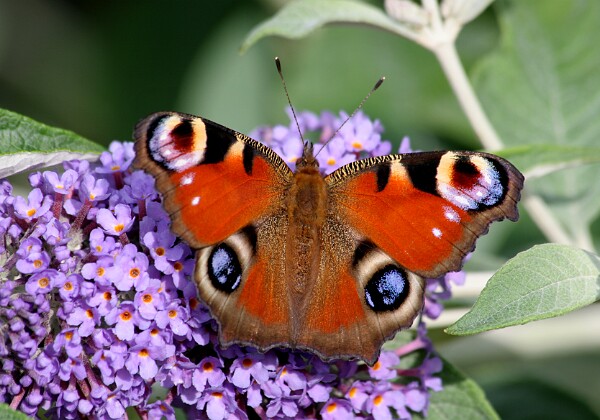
(307, 210)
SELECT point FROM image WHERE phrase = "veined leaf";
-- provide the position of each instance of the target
(26, 144)
(7, 413)
(301, 17)
(543, 282)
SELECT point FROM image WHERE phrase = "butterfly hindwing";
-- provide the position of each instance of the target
(360, 299)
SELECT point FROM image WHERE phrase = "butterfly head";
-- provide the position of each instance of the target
(308, 159)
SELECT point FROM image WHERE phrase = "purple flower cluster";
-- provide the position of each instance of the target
(358, 138)
(99, 313)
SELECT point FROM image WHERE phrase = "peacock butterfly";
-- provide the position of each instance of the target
(334, 265)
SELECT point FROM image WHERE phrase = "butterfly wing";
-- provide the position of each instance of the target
(426, 209)
(224, 192)
(214, 181)
(393, 221)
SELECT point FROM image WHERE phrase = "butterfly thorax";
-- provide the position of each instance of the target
(307, 210)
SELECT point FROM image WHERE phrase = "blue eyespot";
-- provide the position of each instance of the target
(224, 268)
(387, 289)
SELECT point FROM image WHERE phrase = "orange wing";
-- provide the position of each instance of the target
(214, 180)
(426, 210)
(224, 193)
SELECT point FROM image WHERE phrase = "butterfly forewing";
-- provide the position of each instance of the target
(426, 209)
(214, 180)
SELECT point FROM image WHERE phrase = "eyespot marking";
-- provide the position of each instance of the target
(224, 268)
(469, 182)
(177, 143)
(387, 289)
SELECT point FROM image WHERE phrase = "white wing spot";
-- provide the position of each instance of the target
(436, 232)
(195, 201)
(187, 180)
(451, 214)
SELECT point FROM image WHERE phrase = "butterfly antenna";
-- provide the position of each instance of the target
(287, 95)
(379, 82)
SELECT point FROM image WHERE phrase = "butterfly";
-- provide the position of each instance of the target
(330, 264)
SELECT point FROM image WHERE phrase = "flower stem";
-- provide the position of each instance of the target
(16, 401)
(457, 77)
(414, 345)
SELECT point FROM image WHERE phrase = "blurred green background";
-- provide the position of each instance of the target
(96, 67)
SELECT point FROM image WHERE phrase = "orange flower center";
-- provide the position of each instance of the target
(208, 367)
(107, 295)
(247, 363)
(172, 313)
(125, 315)
(134, 272)
(143, 353)
(147, 298)
(178, 266)
(31, 212)
(68, 286)
(43, 282)
(69, 335)
(331, 407)
(100, 271)
(378, 400)
(357, 145)
(89, 313)
(37, 263)
(194, 303)
(119, 227)
(160, 251)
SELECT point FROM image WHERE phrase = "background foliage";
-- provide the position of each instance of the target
(97, 67)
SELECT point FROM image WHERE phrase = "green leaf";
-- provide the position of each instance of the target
(26, 144)
(461, 398)
(536, 160)
(301, 17)
(541, 87)
(545, 281)
(7, 413)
